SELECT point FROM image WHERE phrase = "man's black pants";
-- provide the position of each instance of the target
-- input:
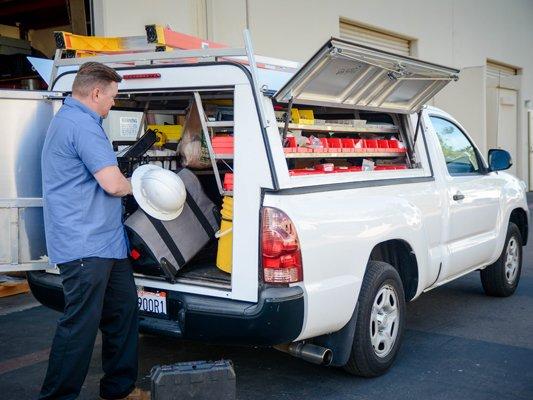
(99, 293)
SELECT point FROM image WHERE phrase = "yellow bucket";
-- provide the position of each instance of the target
(225, 236)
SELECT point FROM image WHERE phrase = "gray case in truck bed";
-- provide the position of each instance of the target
(175, 242)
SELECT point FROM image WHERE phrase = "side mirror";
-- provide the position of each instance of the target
(499, 160)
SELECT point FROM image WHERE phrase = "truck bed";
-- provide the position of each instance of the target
(202, 268)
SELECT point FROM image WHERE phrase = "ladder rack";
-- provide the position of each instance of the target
(147, 58)
(209, 52)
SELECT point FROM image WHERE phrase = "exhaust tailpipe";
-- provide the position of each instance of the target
(308, 352)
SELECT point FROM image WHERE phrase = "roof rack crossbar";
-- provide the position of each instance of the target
(153, 56)
(147, 57)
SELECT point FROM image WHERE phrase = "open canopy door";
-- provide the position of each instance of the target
(348, 75)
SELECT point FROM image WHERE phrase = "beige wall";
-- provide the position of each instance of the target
(9, 31)
(128, 17)
(468, 108)
(457, 33)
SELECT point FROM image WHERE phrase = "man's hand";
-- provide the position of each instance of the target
(113, 182)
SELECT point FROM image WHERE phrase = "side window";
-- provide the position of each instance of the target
(459, 153)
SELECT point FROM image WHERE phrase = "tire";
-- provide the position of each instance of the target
(501, 278)
(366, 359)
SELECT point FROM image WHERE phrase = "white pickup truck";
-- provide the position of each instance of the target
(339, 218)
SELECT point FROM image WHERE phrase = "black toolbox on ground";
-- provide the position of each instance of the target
(205, 380)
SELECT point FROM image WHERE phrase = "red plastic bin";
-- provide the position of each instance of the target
(383, 144)
(222, 141)
(371, 145)
(228, 181)
(335, 145)
(223, 144)
(291, 141)
(348, 145)
(393, 144)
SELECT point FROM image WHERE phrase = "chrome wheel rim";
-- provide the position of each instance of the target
(512, 260)
(384, 320)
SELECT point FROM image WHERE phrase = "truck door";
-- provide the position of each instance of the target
(24, 117)
(472, 196)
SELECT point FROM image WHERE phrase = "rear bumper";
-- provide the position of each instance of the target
(276, 318)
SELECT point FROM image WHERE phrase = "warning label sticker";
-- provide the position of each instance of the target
(129, 126)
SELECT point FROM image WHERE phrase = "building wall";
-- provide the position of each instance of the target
(128, 17)
(457, 33)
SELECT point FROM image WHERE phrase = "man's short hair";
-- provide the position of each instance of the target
(91, 75)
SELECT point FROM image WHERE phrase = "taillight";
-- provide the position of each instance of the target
(280, 249)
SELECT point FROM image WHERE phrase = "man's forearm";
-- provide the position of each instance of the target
(122, 189)
(113, 182)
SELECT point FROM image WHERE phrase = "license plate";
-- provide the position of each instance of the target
(151, 302)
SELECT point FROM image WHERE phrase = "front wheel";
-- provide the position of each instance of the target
(501, 278)
(380, 321)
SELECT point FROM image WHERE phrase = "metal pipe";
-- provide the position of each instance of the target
(308, 352)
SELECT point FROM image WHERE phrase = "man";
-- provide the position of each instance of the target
(82, 186)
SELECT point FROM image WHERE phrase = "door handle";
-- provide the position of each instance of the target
(458, 196)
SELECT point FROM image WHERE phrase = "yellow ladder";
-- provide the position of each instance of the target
(157, 38)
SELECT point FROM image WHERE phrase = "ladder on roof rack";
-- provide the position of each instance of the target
(157, 38)
(75, 50)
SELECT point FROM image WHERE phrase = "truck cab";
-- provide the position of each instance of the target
(349, 197)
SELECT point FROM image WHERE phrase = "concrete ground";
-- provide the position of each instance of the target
(459, 344)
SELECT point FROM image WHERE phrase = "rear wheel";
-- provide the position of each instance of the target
(501, 278)
(380, 321)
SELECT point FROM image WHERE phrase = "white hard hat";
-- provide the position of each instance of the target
(159, 192)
